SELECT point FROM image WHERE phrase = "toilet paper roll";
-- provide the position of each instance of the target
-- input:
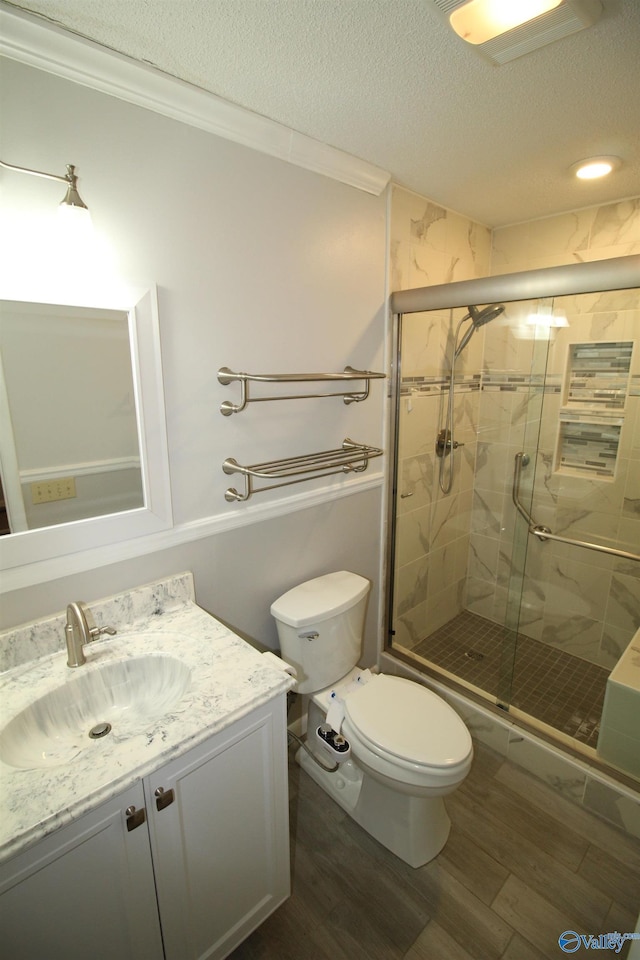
(280, 664)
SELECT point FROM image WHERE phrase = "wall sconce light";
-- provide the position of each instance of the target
(72, 203)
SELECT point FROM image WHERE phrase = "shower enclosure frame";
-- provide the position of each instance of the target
(618, 273)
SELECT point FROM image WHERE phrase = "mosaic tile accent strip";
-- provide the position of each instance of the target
(438, 385)
(515, 381)
(495, 380)
(559, 689)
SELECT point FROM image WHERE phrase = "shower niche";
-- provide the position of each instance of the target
(591, 419)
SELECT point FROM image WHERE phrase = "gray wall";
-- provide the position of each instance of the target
(260, 266)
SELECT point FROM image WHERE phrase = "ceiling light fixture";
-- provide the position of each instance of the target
(72, 202)
(503, 30)
(481, 20)
(595, 167)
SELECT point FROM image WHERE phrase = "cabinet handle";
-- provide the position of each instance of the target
(135, 818)
(164, 798)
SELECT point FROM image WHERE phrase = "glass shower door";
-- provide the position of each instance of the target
(457, 569)
(525, 446)
(579, 607)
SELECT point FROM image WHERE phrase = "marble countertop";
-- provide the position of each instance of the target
(229, 678)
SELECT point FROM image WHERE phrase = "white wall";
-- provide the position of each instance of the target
(261, 266)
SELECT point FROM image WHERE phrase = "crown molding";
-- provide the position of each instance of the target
(47, 47)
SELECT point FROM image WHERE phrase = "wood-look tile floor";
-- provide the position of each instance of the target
(521, 866)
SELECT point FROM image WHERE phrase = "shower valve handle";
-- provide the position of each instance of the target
(444, 443)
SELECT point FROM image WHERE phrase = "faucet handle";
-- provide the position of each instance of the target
(93, 630)
(96, 632)
(80, 629)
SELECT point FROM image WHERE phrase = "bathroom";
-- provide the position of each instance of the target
(316, 253)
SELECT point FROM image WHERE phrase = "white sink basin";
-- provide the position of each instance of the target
(111, 701)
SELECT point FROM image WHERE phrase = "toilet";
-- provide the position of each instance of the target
(399, 748)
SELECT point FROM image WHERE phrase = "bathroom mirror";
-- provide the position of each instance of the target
(69, 449)
(83, 454)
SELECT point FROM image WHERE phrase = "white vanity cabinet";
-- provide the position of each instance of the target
(221, 848)
(85, 891)
(207, 865)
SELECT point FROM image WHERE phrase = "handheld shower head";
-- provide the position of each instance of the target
(478, 319)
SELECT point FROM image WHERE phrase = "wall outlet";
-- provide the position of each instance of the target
(45, 491)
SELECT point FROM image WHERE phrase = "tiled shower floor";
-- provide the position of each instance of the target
(557, 688)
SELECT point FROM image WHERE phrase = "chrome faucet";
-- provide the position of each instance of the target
(80, 630)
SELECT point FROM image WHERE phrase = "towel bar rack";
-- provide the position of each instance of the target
(226, 376)
(351, 457)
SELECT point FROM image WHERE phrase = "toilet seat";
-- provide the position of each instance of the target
(408, 725)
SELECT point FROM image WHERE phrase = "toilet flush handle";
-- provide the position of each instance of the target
(309, 635)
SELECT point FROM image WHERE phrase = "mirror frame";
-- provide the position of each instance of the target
(24, 549)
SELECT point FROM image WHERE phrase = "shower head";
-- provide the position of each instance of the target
(478, 319)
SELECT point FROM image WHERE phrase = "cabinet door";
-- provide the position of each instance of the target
(221, 846)
(84, 892)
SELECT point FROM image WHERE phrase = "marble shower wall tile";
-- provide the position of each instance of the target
(424, 343)
(444, 606)
(415, 482)
(411, 583)
(623, 608)
(619, 806)
(565, 777)
(594, 233)
(420, 415)
(615, 224)
(413, 536)
(431, 245)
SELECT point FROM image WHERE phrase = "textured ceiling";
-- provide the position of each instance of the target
(389, 82)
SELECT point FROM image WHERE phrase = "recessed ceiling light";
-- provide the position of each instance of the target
(481, 20)
(595, 167)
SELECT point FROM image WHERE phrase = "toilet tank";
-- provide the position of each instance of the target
(320, 626)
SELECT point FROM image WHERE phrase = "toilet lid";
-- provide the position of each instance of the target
(408, 721)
